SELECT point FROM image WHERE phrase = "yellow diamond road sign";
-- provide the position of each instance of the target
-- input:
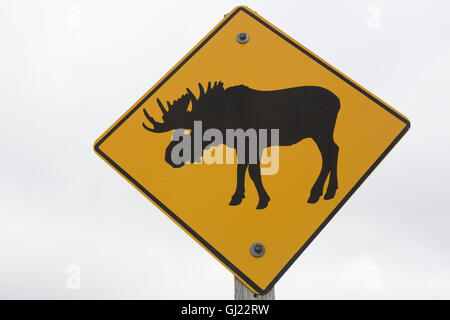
(251, 144)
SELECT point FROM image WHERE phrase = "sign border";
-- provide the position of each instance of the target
(179, 221)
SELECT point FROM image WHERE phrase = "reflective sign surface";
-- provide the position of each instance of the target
(251, 144)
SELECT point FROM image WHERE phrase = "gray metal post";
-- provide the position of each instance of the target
(241, 292)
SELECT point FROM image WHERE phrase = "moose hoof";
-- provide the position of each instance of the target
(313, 198)
(236, 199)
(263, 203)
(329, 195)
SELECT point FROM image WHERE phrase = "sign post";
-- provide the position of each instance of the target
(251, 144)
(241, 292)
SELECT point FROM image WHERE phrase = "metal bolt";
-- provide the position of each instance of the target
(257, 249)
(242, 37)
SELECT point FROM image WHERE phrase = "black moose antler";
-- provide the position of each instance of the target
(172, 117)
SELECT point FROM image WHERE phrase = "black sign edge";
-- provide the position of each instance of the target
(190, 230)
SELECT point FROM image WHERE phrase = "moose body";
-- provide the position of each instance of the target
(297, 113)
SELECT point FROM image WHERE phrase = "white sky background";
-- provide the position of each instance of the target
(68, 69)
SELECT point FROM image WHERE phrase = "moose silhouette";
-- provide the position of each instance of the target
(298, 113)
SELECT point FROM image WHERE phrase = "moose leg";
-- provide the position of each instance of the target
(240, 186)
(333, 183)
(255, 174)
(317, 188)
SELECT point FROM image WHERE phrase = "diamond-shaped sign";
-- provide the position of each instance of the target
(251, 144)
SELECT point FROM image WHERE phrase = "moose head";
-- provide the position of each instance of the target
(177, 117)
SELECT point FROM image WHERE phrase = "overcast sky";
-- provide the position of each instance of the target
(71, 228)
